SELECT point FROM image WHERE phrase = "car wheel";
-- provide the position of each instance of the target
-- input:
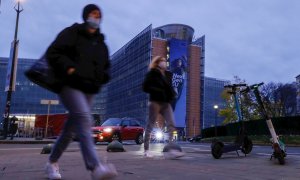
(139, 139)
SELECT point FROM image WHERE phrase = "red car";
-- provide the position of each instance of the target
(119, 128)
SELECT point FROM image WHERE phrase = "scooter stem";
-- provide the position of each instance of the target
(264, 112)
(272, 131)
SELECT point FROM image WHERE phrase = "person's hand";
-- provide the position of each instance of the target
(71, 71)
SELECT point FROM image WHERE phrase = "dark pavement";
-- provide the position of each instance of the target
(24, 161)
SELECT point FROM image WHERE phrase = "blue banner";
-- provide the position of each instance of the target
(178, 50)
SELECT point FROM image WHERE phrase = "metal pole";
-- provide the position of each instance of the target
(47, 121)
(215, 122)
(216, 111)
(10, 90)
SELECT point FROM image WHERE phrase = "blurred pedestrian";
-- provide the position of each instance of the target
(13, 127)
(79, 56)
(158, 83)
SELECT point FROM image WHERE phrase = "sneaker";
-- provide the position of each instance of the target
(52, 170)
(104, 171)
(147, 154)
(173, 154)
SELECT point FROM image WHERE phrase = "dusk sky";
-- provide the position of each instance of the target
(257, 40)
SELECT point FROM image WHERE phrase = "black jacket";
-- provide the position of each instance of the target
(158, 86)
(88, 54)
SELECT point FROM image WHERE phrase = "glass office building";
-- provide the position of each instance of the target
(185, 57)
(298, 95)
(129, 66)
(212, 96)
(123, 95)
(26, 99)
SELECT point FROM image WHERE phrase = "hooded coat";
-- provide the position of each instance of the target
(75, 48)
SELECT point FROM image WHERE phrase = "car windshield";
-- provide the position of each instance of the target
(112, 122)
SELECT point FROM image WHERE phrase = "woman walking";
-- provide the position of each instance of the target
(158, 83)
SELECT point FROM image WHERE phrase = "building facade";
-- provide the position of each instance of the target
(212, 96)
(123, 95)
(185, 57)
(26, 99)
(298, 95)
(128, 67)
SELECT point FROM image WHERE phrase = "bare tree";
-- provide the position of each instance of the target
(279, 100)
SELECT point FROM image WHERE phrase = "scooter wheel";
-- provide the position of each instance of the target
(247, 146)
(216, 150)
(279, 154)
(281, 159)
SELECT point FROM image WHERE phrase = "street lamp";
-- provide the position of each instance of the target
(11, 71)
(48, 102)
(216, 115)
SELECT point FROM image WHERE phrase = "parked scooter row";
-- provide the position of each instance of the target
(242, 141)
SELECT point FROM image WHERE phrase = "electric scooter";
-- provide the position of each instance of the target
(278, 146)
(242, 141)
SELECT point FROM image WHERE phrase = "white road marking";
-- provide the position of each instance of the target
(16, 149)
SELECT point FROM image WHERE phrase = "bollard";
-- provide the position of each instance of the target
(115, 146)
(47, 149)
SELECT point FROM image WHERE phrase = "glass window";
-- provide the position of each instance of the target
(112, 122)
(126, 123)
(134, 123)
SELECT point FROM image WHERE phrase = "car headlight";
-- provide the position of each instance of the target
(107, 130)
(158, 135)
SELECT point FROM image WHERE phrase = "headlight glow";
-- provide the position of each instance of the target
(158, 135)
(107, 130)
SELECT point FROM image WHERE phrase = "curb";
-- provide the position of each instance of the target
(25, 142)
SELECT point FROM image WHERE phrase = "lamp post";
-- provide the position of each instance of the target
(48, 102)
(216, 115)
(11, 72)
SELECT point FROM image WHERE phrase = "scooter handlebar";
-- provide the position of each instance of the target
(255, 86)
(234, 85)
(246, 90)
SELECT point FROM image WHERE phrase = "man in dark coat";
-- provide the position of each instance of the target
(80, 58)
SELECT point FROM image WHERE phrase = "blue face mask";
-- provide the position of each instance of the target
(93, 22)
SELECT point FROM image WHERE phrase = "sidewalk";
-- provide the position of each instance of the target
(27, 163)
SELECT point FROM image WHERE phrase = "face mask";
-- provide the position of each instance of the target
(162, 64)
(93, 22)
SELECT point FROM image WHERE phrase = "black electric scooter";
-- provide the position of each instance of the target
(278, 146)
(242, 141)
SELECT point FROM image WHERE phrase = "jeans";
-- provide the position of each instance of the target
(79, 122)
(156, 108)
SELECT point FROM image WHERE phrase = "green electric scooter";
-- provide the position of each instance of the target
(242, 141)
